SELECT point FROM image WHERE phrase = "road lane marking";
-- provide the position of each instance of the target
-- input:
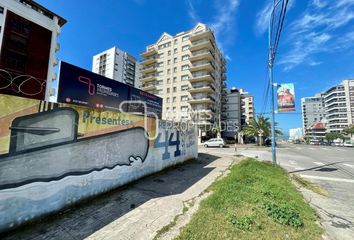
(348, 165)
(318, 163)
(299, 148)
(341, 150)
(328, 178)
(311, 148)
(326, 149)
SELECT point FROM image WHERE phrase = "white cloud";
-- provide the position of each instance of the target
(263, 16)
(228, 58)
(319, 29)
(192, 12)
(222, 22)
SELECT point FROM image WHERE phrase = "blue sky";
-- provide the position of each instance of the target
(316, 49)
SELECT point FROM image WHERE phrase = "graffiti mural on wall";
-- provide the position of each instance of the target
(52, 155)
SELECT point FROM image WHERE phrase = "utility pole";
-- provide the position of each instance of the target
(270, 70)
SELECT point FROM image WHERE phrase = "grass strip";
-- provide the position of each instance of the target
(255, 201)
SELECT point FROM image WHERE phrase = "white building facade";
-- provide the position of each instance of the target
(313, 110)
(117, 65)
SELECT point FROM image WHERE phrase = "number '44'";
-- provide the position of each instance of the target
(168, 142)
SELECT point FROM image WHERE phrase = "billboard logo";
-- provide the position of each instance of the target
(91, 87)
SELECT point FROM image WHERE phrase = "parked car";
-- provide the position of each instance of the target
(215, 142)
(348, 144)
(268, 142)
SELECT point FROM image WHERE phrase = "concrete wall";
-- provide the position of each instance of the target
(74, 163)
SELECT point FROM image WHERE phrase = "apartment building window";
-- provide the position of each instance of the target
(184, 109)
(159, 82)
(185, 57)
(164, 45)
(175, 60)
(160, 73)
(184, 77)
(167, 109)
(185, 48)
(174, 89)
(160, 64)
(174, 79)
(175, 50)
(168, 90)
(174, 99)
(184, 88)
(167, 100)
(168, 71)
(175, 69)
(168, 80)
(185, 67)
(185, 38)
(160, 91)
(184, 98)
(169, 52)
(174, 109)
(169, 62)
(161, 55)
(176, 41)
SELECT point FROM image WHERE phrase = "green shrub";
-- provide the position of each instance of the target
(243, 223)
(284, 214)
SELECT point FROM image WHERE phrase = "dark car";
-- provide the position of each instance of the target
(268, 142)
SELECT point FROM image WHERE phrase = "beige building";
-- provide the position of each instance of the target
(247, 107)
(189, 72)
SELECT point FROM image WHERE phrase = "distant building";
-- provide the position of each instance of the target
(231, 113)
(295, 134)
(247, 107)
(316, 131)
(313, 110)
(339, 104)
(28, 45)
(117, 65)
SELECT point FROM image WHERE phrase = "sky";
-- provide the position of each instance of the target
(316, 48)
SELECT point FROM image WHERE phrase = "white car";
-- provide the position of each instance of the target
(215, 142)
(348, 144)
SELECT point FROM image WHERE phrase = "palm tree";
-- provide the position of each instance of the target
(256, 125)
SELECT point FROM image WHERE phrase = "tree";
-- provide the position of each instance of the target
(261, 123)
(349, 130)
(330, 137)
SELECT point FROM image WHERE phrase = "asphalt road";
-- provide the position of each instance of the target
(332, 168)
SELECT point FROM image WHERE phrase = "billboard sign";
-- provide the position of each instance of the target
(286, 97)
(83, 87)
(153, 103)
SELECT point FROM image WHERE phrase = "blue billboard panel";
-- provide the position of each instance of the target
(83, 87)
(153, 103)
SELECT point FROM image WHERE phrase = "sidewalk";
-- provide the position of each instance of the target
(137, 211)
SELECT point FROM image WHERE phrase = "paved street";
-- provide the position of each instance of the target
(330, 167)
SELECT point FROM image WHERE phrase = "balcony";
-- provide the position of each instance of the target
(206, 88)
(202, 55)
(206, 66)
(223, 77)
(201, 35)
(202, 44)
(202, 99)
(148, 87)
(148, 53)
(202, 77)
(149, 61)
(148, 78)
(147, 70)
